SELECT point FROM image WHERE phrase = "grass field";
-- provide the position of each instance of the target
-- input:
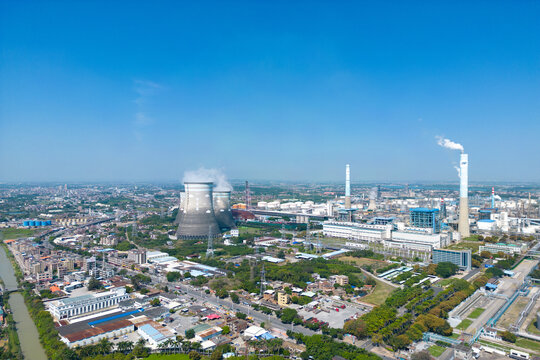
(532, 327)
(379, 295)
(12, 233)
(250, 230)
(528, 344)
(169, 357)
(473, 245)
(464, 324)
(436, 350)
(510, 316)
(375, 264)
(476, 313)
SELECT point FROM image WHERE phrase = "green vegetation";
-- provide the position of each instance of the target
(322, 347)
(464, 324)
(476, 313)
(528, 344)
(380, 293)
(436, 350)
(446, 269)
(13, 233)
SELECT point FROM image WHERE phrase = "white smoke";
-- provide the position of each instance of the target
(458, 171)
(449, 144)
(209, 175)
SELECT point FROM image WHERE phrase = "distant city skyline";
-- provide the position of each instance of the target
(139, 91)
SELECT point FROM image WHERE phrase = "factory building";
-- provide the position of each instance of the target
(416, 241)
(462, 258)
(85, 304)
(357, 231)
(504, 248)
(426, 218)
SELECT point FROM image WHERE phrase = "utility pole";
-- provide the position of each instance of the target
(263, 279)
(210, 249)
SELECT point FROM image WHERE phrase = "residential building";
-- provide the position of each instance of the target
(282, 298)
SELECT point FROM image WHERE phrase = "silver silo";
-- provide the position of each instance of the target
(196, 218)
(222, 209)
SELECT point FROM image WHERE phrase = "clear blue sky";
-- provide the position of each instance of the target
(288, 90)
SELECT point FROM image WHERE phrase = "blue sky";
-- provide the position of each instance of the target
(269, 90)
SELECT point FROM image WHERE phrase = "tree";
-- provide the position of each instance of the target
(356, 327)
(193, 355)
(225, 330)
(173, 276)
(241, 315)
(155, 302)
(508, 336)
(94, 284)
(234, 297)
(446, 269)
(485, 254)
(288, 315)
(401, 342)
(190, 334)
(494, 272)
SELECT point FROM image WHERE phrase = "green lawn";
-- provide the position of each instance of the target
(532, 327)
(476, 313)
(12, 233)
(436, 350)
(168, 357)
(528, 344)
(379, 295)
(466, 245)
(464, 324)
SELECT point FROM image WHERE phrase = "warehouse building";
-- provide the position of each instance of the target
(85, 304)
(505, 248)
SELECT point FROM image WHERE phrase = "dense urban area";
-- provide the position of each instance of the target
(208, 270)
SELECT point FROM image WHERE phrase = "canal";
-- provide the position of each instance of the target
(26, 329)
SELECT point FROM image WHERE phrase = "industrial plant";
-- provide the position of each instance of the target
(203, 213)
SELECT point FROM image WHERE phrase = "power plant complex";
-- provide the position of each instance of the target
(203, 213)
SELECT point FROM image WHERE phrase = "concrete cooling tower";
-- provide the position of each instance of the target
(197, 219)
(180, 208)
(222, 210)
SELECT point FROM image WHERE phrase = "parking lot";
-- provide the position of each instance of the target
(327, 313)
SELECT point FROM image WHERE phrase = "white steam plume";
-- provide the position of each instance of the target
(449, 144)
(208, 175)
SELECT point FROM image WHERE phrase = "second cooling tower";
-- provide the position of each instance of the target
(196, 215)
(222, 210)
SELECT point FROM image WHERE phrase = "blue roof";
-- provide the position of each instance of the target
(153, 333)
(486, 220)
(266, 336)
(421, 209)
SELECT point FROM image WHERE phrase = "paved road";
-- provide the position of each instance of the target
(271, 320)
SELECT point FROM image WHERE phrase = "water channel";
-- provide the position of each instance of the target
(26, 329)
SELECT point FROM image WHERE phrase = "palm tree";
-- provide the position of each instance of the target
(105, 346)
(124, 346)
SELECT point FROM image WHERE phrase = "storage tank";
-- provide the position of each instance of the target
(222, 210)
(31, 223)
(26, 223)
(48, 222)
(197, 219)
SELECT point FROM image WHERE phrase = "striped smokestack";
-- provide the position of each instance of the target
(347, 187)
(463, 224)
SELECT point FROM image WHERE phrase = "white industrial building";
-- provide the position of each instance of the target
(357, 231)
(408, 238)
(504, 248)
(80, 305)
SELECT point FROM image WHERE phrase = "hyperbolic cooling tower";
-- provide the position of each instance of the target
(463, 222)
(197, 219)
(222, 210)
(180, 208)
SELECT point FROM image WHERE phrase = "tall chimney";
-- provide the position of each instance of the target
(347, 187)
(463, 224)
(493, 197)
